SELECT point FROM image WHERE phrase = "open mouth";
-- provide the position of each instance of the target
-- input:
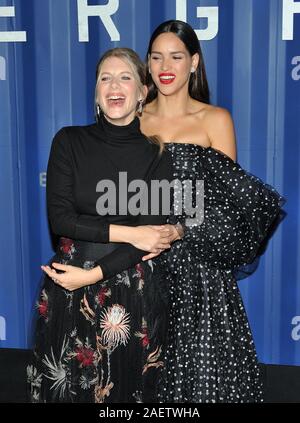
(116, 100)
(166, 78)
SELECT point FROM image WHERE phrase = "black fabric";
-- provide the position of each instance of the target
(282, 383)
(210, 354)
(103, 342)
(81, 157)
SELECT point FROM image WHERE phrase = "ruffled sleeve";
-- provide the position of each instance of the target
(239, 210)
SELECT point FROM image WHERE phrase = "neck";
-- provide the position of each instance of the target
(123, 121)
(114, 132)
(174, 105)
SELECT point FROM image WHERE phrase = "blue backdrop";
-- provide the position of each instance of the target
(48, 53)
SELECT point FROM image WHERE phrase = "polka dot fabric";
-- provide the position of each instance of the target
(210, 356)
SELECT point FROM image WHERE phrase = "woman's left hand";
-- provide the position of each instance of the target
(174, 236)
(73, 277)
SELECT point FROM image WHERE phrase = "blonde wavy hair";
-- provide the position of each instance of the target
(138, 68)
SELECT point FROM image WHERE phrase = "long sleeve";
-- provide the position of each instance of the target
(239, 210)
(64, 219)
(222, 240)
(127, 255)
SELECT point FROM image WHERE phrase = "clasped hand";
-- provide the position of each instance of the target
(73, 277)
(152, 238)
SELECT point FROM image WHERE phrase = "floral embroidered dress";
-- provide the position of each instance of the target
(103, 342)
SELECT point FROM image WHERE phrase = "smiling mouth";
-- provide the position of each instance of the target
(166, 78)
(116, 100)
(116, 97)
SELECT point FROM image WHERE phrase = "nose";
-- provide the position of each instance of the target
(165, 64)
(115, 82)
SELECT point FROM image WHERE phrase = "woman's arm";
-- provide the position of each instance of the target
(220, 129)
(64, 219)
(124, 256)
(146, 237)
(239, 211)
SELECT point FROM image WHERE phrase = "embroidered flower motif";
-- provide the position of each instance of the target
(33, 376)
(85, 383)
(58, 371)
(67, 246)
(88, 265)
(100, 348)
(152, 360)
(101, 393)
(86, 310)
(85, 356)
(115, 325)
(150, 264)
(43, 308)
(69, 296)
(140, 274)
(145, 340)
(35, 380)
(102, 294)
(73, 333)
(143, 335)
(123, 278)
(138, 396)
(42, 305)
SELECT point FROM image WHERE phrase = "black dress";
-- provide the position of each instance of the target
(210, 356)
(103, 342)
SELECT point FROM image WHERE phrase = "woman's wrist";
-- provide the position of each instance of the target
(96, 274)
(179, 231)
(121, 233)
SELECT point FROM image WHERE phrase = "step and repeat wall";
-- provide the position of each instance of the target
(48, 54)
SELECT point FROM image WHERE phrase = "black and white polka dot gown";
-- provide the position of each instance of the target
(210, 355)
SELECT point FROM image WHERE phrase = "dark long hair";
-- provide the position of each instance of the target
(198, 85)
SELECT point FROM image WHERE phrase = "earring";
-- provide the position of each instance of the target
(192, 69)
(98, 110)
(140, 107)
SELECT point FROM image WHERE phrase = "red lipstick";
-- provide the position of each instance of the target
(166, 78)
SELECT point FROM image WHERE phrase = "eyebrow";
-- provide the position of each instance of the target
(109, 73)
(171, 52)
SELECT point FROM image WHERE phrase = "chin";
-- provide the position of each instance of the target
(118, 120)
(168, 91)
(116, 115)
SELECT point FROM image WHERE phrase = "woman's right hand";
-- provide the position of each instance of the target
(175, 232)
(151, 238)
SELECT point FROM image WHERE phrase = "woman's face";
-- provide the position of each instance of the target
(117, 91)
(170, 64)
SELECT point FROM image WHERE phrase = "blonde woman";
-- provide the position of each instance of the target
(102, 323)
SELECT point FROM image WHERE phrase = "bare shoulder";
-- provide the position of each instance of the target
(217, 116)
(212, 116)
(220, 129)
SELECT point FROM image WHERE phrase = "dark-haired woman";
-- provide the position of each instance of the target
(210, 355)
